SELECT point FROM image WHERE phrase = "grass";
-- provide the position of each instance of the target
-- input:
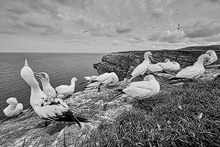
(186, 116)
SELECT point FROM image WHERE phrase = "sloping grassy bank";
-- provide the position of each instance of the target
(184, 116)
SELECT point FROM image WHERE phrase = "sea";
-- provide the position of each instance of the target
(61, 68)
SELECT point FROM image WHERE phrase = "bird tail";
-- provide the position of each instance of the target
(176, 78)
(120, 93)
(81, 119)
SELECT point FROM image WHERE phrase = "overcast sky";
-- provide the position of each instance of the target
(107, 25)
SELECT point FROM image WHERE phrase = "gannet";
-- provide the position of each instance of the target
(141, 68)
(45, 80)
(168, 65)
(64, 91)
(88, 79)
(213, 56)
(194, 71)
(143, 89)
(14, 108)
(46, 107)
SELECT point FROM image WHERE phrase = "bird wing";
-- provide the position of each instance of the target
(62, 89)
(135, 91)
(190, 72)
(139, 70)
(154, 68)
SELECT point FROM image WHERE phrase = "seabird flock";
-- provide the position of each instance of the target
(48, 103)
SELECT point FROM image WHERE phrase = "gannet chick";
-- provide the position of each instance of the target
(213, 56)
(194, 71)
(14, 108)
(46, 107)
(141, 68)
(64, 91)
(45, 80)
(168, 65)
(142, 89)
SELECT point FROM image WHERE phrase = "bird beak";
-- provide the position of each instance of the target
(151, 57)
(38, 74)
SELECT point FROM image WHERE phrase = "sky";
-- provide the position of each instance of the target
(103, 26)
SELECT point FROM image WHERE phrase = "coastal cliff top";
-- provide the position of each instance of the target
(185, 114)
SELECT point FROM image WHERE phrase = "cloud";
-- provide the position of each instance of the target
(214, 38)
(47, 27)
(169, 37)
(120, 29)
(200, 29)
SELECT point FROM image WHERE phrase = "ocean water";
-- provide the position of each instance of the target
(61, 67)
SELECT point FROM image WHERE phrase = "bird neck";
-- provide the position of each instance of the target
(147, 60)
(45, 84)
(12, 106)
(199, 62)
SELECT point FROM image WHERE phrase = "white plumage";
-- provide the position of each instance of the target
(14, 108)
(194, 71)
(146, 88)
(46, 107)
(168, 65)
(213, 56)
(142, 68)
(64, 91)
(45, 80)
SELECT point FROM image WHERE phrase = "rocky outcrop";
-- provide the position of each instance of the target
(123, 63)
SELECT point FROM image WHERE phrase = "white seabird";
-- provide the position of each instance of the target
(213, 56)
(168, 65)
(143, 89)
(88, 79)
(104, 79)
(64, 91)
(141, 68)
(14, 108)
(46, 107)
(45, 80)
(194, 71)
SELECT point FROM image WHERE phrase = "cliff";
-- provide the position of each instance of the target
(123, 63)
(185, 115)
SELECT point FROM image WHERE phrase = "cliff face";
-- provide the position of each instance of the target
(123, 63)
(102, 108)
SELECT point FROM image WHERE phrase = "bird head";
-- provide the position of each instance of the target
(27, 74)
(148, 55)
(167, 60)
(12, 101)
(73, 80)
(43, 76)
(149, 77)
(210, 52)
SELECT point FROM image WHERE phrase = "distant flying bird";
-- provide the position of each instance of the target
(45, 80)
(46, 107)
(213, 56)
(179, 27)
(194, 71)
(84, 32)
(64, 91)
(14, 108)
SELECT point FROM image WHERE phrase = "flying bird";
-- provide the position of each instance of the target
(64, 91)
(194, 71)
(46, 107)
(14, 108)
